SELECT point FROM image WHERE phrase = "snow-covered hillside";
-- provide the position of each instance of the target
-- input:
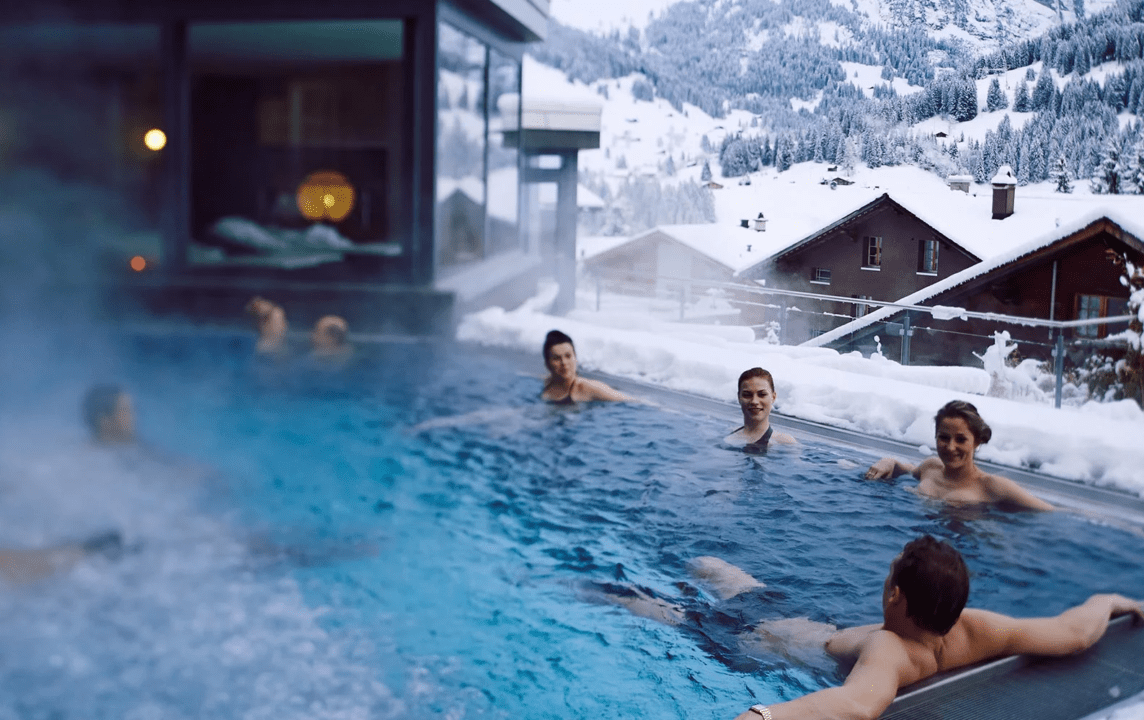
(982, 24)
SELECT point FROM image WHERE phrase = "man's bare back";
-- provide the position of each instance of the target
(910, 646)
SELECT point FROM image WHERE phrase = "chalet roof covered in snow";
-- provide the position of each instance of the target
(798, 208)
(1132, 225)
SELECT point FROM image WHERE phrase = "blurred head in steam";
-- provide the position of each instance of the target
(109, 414)
(330, 337)
(270, 319)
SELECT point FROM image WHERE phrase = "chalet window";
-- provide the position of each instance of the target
(872, 253)
(927, 257)
(820, 276)
(1098, 306)
(860, 309)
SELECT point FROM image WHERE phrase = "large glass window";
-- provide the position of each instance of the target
(76, 105)
(462, 142)
(296, 136)
(503, 231)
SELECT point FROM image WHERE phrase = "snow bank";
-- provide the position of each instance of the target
(1095, 443)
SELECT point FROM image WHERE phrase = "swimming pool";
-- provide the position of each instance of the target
(295, 552)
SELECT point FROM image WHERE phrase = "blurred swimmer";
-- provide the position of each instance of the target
(329, 338)
(756, 399)
(270, 319)
(952, 475)
(564, 386)
(24, 565)
(109, 414)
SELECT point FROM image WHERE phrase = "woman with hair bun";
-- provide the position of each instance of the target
(952, 475)
(564, 385)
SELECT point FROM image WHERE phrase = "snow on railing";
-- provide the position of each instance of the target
(686, 287)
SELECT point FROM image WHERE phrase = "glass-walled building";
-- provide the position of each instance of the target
(350, 150)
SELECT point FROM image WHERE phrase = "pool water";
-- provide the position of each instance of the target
(292, 549)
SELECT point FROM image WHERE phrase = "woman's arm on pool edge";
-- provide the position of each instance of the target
(1006, 490)
(888, 468)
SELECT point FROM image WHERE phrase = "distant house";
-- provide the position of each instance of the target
(1067, 275)
(661, 262)
(711, 184)
(880, 251)
(960, 182)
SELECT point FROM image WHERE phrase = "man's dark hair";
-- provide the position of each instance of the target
(100, 402)
(756, 372)
(935, 582)
(555, 337)
(967, 412)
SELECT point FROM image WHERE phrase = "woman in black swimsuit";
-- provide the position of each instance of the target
(564, 386)
(756, 398)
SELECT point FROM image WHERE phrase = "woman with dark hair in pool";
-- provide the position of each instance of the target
(952, 475)
(756, 398)
(564, 385)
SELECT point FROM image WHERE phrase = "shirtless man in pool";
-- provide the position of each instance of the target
(926, 629)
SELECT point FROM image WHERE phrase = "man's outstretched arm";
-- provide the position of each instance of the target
(1076, 629)
(869, 688)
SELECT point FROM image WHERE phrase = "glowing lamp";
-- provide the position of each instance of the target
(155, 139)
(138, 263)
(325, 195)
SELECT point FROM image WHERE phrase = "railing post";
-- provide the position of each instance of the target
(1059, 364)
(906, 333)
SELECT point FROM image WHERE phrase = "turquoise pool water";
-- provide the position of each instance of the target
(292, 550)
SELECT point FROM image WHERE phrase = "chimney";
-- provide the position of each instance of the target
(761, 223)
(1004, 190)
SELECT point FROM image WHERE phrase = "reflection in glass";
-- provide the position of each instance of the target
(504, 109)
(296, 131)
(461, 148)
(76, 104)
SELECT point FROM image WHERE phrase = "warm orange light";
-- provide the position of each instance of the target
(155, 139)
(138, 263)
(325, 195)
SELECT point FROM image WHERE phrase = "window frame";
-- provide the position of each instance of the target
(820, 276)
(872, 249)
(1093, 332)
(930, 268)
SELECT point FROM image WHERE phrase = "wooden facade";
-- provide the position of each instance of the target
(1087, 284)
(881, 251)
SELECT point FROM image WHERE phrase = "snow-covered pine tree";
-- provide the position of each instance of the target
(705, 173)
(1043, 90)
(1021, 103)
(669, 168)
(1061, 176)
(784, 153)
(1134, 174)
(995, 99)
(966, 101)
(1106, 175)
